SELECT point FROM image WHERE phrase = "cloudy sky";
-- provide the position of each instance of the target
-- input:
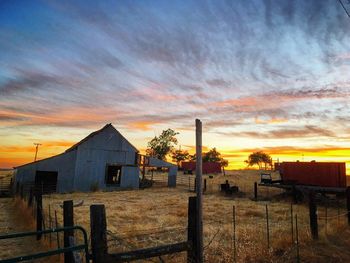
(270, 75)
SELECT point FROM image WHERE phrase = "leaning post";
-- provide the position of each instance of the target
(199, 225)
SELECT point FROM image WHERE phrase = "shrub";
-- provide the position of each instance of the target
(94, 187)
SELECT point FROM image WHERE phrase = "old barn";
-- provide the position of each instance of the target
(104, 159)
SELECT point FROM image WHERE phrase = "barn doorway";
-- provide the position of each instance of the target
(46, 181)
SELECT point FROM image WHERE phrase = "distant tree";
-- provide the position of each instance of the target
(224, 163)
(212, 156)
(162, 145)
(179, 156)
(192, 157)
(259, 158)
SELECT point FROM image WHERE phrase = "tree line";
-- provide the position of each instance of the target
(163, 145)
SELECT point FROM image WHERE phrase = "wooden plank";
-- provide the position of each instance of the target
(148, 252)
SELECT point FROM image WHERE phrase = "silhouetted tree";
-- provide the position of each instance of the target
(259, 158)
(162, 145)
(178, 156)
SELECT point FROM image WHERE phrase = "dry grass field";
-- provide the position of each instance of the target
(155, 216)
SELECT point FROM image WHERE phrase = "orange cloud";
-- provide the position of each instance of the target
(270, 121)
(141, 125)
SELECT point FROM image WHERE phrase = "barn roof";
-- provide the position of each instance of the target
(75, 146)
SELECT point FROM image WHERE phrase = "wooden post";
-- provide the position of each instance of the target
(199, 223)
(313, 216)
(325, 218)
(255, 191)
(291, 222)
(297, 237)
(39, 214)
(57, 234)
(68, 221)
(348, 203)
(267, 226)
(234, 233)
(50, 224)
(98, 233)
(205, 185)
(295, 194)
(191, 230)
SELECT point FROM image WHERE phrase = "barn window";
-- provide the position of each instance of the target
(113, 174)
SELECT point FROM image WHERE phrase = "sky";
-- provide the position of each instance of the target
(261, 75)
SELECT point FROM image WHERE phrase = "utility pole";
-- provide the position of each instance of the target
(36, 150)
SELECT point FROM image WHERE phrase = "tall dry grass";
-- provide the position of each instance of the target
(156, 216)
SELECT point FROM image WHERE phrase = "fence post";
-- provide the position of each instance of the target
(267, 227)
(291, 222)
(325, 218)
(57, 235)
(234, 233)
(50, 223)
(313, 216)
(39, 214)
(191, 231)
(98, 233)
(255, 191)
(67, 222)
(348, 203)
(297, 237)
(205, 185)
(295, 194)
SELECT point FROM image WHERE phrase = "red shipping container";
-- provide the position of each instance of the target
(314, 173)
(207, 168)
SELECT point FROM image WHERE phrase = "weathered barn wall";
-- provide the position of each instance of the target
(106, 147)
(64, 164)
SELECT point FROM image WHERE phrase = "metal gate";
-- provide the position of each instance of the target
(50, 252)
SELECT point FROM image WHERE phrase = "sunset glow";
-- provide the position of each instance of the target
(260, 76)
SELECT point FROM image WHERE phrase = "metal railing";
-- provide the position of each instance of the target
(50, 252)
